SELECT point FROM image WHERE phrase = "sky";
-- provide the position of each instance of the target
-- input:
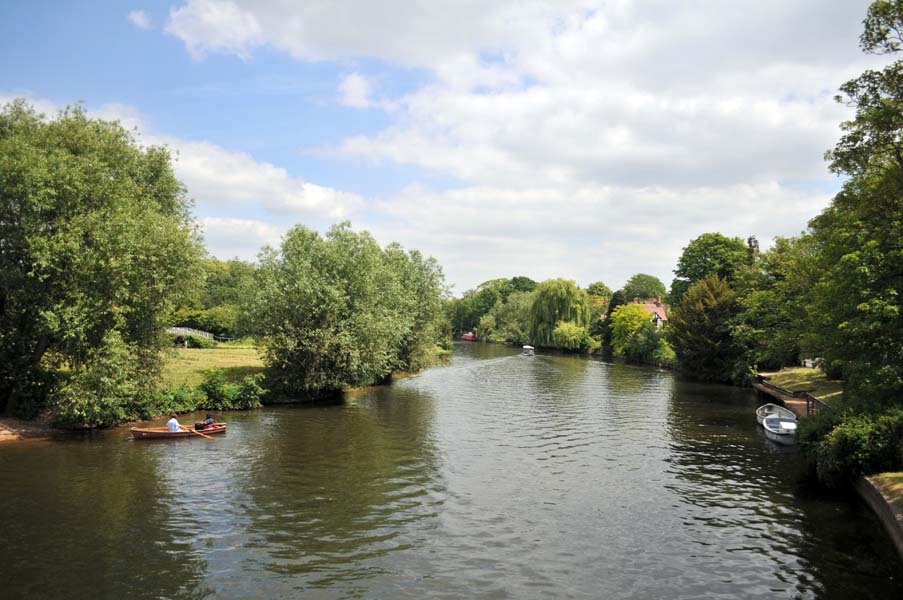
(585, 140)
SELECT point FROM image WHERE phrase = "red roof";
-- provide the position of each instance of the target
(654, 307)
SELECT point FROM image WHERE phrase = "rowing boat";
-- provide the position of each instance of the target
(781, 430)
(773, 409)
(158, 433)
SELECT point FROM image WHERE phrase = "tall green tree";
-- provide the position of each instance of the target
(598, 288)
(709, 254)
(339, 311)
(97, 247)
(556, 300)
(700, 331)
(857, 311)
(644, 286)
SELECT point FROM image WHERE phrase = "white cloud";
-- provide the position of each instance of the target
(238, 238)
(215, 26)
(355, 90)
(140, 19)
(225, 182)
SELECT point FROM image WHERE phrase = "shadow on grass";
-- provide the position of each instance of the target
(236, 374)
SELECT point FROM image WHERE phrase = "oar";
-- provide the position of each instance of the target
(195, 431)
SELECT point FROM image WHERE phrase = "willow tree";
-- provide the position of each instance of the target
(557, 300)
(97, 246)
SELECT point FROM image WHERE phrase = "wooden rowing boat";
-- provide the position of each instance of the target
(158, 433)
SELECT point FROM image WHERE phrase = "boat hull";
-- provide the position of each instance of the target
(780, 430)
(160, 433)
(785, 439)
(773, 409)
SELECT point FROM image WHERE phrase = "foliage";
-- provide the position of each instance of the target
(102, 389)
(627, 323)
(200, 341)
(854, 443)
(340, 311)
(598, 288)
(222, 321)
(570, 336)
(556, 300)
(96, 237)
(708, 254)
(221, 395)
(700, 331)
(226, 282)
(510, 320)
(465, 313)
(644, 286)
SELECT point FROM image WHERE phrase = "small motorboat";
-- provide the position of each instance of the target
(528, 351)
(773, 409)
(159, 433)
(781, 430)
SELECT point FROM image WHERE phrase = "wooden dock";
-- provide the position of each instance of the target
(800, 402)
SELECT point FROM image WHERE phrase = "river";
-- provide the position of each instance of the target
(499, 476)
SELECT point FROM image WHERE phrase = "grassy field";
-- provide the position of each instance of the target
(892, 485)
(805, 379)
(185, 366)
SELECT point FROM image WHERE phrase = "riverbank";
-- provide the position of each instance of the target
(13, 429)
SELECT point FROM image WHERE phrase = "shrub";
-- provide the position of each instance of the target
(250, 392)
(222, 395)
(845, 445)
(199, 341)
(570, 336)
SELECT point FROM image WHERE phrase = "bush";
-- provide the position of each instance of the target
(570, 336)
(180, 400)
(850, 444)
(199, 341)
(222, 395)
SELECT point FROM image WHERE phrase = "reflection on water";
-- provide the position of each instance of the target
(498, 476)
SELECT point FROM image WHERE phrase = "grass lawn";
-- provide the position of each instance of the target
(811, 380)
(185, 366)
(892, 486)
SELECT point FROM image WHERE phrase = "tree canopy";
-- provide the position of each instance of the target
(708, 254)
(644, 286)
(97, 247)
(556, 300)
(339, 311)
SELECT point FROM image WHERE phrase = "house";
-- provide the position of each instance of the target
(657, 309)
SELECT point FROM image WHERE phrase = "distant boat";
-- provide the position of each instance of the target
(528, 351)
(773, 409)
(469, 337)
(781, 430)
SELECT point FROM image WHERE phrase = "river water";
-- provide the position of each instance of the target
(499, 476)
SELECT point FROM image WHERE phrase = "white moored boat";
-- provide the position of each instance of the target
(773, 409)
(781, 430)
(528, 351)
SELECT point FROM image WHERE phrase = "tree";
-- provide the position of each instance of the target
(710, 254)
(340, 311)
(627, 321)
(512, 319)
(96, 246)
(857, 312)
(522, 284)
(644, 286)
(570, 336)
(700, 331)
(598, 289)
(556, 300)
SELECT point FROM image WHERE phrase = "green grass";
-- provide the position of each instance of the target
(892, 486)
(811, 380)
(185, 366)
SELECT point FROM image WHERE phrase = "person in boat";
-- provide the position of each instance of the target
(173, 423)
(207, 423)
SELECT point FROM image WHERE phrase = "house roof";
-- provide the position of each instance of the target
(654, 307)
